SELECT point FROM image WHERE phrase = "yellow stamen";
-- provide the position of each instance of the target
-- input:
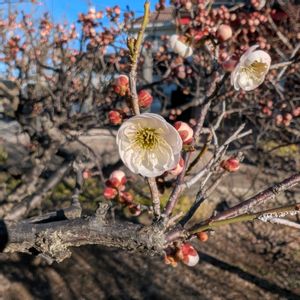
(256, 70)
(147, 138)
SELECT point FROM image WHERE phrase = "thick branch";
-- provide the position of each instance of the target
(53, 239)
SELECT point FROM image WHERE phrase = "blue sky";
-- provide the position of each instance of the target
(68, 10)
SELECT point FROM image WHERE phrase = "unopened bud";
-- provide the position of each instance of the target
(110, 193)
(224, 32)
(178, 169)
(115, 118)
(145, 99)
(185, 131)
(230, 164)
(188, 255)
(121, 85)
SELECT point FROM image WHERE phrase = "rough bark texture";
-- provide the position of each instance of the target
(53, 239)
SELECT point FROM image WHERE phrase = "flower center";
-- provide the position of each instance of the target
(256, 70)
(147, 138)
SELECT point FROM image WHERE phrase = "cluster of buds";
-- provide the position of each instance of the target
(13, 46)
(121, 85)
(284, 120)
(174, 113)
(231, 164)
(185, 253)
(251, 21)
(91, 16)
(267, 107)
(285, 117)
(113, 12)
(115, 190)
(45, 26)
(185, 131)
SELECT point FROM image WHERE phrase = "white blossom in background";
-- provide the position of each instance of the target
(179, 47)
(149, 145)
(251, 70)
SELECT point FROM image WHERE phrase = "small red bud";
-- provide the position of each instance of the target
(296, 112)
(117, 10)
(178, 169)
(121, 85)
(185, 131)
(117, 178)
(230, 164)
(115, 117)
(278, 119)
(145, 99)
(188, 255)
(110, 193)
(86, 174)
(202, 236)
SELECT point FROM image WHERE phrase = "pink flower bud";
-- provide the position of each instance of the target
(288, 117)
(86, 174)
(117, 10)
(121, 85)
(267, 111)
(110, 193)
(296, 112)
(115, 117)
(278, 119)
(185, 131)
(230, 164)
(145, 99)
(178, 169)
(188, 255)
(117, 178)
(224, 32)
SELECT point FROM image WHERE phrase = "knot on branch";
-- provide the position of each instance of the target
(101, 212)
(153, 239)
(51, 245)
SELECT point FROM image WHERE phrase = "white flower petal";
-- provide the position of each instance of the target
(179, 47)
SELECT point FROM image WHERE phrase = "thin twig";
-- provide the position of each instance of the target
(260, 198)
(275, 213)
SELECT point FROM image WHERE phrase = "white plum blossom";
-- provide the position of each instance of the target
(179, 47)
(149, 145)
(251, 70)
